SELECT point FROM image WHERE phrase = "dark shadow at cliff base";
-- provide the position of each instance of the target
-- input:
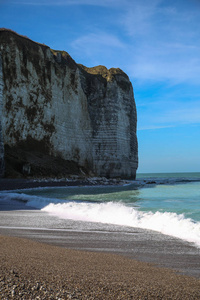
(20, 163)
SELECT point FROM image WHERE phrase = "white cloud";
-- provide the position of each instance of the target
(138, 17)
(97, 42)
(163, 41)
(153, 127)
(175, 68)
(150, 40)
(168, 114)
(98, 38)
(187, 113)
(106, 3)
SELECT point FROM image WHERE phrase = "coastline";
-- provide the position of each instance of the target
(137, 268)
(21, 183)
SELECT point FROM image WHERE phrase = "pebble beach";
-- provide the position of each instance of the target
(33, 269)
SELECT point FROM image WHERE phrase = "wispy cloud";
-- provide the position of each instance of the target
(98, 39)
(172, 66)
(160, 115)
(106, 3)
(138, 17)
(187, 113)
(153, 127)
(164, 40)
(100, 43)
(153, 40)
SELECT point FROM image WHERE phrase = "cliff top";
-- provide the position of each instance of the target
(10, 31)
(103, 71)
(97, 70)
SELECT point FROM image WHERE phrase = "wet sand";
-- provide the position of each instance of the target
(135, 243)
(113, 265)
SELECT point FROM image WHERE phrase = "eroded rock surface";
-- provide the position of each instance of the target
(57, 110)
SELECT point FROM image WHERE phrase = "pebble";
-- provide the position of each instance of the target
(85, 276)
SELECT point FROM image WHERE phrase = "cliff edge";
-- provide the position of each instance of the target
(59, 117)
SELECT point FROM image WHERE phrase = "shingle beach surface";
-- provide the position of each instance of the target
(32, 270)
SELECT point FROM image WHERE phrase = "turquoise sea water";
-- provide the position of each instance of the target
(167, 203)
(175, 192)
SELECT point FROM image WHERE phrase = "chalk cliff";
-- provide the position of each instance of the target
(59, 117)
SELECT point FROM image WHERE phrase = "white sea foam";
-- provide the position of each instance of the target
(119, 214)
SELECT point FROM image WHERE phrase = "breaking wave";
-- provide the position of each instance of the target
(119, 214)
(124, 207)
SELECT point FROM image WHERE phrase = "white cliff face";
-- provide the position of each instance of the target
(114, 127)
(50, 104)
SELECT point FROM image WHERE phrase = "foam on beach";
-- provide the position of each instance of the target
(118, 214)
(124, 206)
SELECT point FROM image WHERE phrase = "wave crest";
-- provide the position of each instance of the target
(117, 213)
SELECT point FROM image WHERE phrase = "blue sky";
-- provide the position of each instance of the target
(157, 43)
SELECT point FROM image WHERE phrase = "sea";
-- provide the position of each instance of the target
(167, 203)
